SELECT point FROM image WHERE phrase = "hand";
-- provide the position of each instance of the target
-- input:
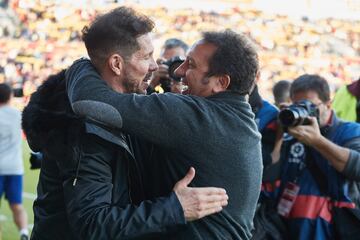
(162, 72)
(284, 105)
(307, 134)
(199, 202)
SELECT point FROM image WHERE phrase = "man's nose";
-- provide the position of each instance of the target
(180, 71)
(153, 65)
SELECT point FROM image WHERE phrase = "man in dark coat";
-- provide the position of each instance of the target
(211, 128)
(90, 186)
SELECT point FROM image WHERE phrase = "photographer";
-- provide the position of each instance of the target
(320, 165)
(172, 56)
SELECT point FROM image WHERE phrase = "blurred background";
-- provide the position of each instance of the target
(41, 37)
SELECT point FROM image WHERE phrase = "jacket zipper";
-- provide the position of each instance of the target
(77, 168)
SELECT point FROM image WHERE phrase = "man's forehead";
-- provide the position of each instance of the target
(202, 50)
(145, 44)
(308, 94)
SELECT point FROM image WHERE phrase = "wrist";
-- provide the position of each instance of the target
(318, 142)
(154, 82)
(179, 212)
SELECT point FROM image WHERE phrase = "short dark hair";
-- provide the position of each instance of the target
(311, 82)
(281, 91)
(5, 93)
(175, 42)
(115, 32)
(235, 56)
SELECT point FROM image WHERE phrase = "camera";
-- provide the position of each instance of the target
(35, 160)
(18, 92)
(172, 64)
(298, 113)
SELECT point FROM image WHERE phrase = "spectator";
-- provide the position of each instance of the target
(46, 40)
(281, 92)
(347, 102)
(160, 80)
(11, 165)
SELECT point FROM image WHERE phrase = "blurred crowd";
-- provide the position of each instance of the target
(48, 38)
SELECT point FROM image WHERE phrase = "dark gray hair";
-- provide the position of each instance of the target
(311, 82)
(174, 42)
(235, 56)
(115, 32)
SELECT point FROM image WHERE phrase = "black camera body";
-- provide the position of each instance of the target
(173, 64)
(18, 92)
(298, 113)
(35, 160)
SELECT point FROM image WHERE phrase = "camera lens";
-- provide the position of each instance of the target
(293, 116)
(173, 64)
(287, 117)
(172, 69)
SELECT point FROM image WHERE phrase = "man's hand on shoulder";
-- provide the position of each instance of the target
(199, 202)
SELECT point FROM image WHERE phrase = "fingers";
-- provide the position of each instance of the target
(210, 211)
(160, 60)
(292, 131)
(186, 180)
(284, 105)
(207, 208)
(199, 202)
(213, 198)
(209, 190)
(163, 69)
(188, 177)
(214, 205)
(313, 121)
(207, 199)
(162, 72)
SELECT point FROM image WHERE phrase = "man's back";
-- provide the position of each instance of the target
(225, 153)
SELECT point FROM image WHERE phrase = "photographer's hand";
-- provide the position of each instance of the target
(162, 72)
(307, 134)
(199, 202)
(275, 154)
(310, 135)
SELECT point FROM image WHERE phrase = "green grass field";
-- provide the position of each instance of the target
(8, 228)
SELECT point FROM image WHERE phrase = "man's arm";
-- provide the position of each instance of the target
(337, 155)
(93, 212)
(159, 118)
(352, 167)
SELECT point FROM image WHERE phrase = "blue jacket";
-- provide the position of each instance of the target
(311, 217)
(267, 114)
(266, 120)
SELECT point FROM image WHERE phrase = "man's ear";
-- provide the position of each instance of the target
(257, 77)
(116, 64)
(222, 83)
(328, 104)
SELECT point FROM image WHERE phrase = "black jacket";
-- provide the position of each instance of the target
(83, 190)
